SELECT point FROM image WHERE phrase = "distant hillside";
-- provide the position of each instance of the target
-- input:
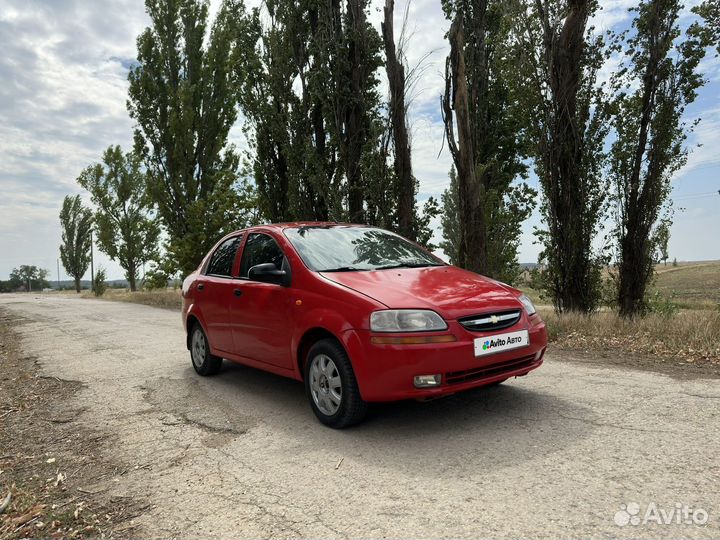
(695, 284)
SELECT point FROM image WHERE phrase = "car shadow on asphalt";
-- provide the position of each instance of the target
(504, 424)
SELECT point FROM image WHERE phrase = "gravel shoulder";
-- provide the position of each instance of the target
(554, 454)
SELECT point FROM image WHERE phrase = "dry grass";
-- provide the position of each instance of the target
(689, 335)
(168, 299)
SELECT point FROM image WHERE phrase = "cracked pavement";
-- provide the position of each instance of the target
(553, 454)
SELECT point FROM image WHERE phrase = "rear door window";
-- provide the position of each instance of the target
(222, 260)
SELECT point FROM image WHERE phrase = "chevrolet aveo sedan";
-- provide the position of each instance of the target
(357, 313)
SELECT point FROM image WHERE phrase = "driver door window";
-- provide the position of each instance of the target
(260, 249)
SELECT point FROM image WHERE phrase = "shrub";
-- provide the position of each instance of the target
(156, 279)
(662, 305)
(100, 285)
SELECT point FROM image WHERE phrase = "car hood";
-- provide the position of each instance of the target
(449, 290)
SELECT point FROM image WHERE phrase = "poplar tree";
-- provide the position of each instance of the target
(183, 97)
(76, 222)
(657, 82)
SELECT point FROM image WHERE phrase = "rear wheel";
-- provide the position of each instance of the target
(203, 362)
(331, 385)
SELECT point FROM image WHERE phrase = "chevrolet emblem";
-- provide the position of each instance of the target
(494, 319)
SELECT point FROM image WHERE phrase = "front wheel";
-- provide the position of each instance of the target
(331, 385)
(203, 362)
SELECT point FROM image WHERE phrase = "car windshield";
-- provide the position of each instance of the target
(348, 249)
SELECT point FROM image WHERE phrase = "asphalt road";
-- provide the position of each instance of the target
(554, 454)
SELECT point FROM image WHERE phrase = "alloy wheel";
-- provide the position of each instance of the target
(325, 384)
(198, 348)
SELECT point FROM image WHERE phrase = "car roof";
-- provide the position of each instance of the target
(298, 224)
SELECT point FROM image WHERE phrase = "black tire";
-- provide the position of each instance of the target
(352, 409)
(203, 362)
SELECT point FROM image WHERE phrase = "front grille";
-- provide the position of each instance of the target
(456, 377)
(488, 322)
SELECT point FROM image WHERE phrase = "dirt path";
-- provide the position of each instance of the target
(554, 454)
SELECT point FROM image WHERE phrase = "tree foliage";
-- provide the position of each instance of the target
(658, 80)
(76, 222)
(183, 96)
(479, 103)
(313, 113)
(709, 10)
(29, 277)
(126, 231)
(450, 221)
(100, 284)
(557, 58)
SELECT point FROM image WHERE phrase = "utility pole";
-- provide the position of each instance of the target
(58, 274)
(92, 268)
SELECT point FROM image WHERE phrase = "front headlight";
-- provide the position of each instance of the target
(406, 320)
(527, 304)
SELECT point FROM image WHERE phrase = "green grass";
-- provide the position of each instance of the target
(692, 285)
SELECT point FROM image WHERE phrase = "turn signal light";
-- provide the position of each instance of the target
(411, 340)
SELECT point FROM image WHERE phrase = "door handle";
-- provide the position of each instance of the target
(237, 292)
(200, 286)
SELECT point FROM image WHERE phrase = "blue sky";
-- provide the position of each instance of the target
(62, 102)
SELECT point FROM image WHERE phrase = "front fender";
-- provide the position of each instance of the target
(322, 319)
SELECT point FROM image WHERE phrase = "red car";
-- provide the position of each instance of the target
(358, 313)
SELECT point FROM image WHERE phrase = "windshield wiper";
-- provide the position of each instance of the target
(344, 269)
(408, 265)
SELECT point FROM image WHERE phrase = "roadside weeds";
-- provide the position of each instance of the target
(51, 466)
(689, 339)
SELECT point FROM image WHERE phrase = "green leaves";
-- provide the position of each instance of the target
(183, 97)
(566, 120)
(484, 206)
(659, 80)
(76, 222)
(126, 230)
(312, 113)
(28, 276)
(709, 10)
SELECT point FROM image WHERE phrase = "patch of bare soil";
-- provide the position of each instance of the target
(53, 473)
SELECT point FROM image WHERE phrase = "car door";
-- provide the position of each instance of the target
(216, 292)
(262, 325)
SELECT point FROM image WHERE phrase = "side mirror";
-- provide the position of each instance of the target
(268, 273)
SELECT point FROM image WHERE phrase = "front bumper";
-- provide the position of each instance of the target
(386, 372)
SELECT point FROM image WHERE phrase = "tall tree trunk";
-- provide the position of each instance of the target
(77, 284)
(636, 264)
(398, 116)
(320, 206)
(563, 158)
(354, 129)
(472, 253)
(132, 272)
